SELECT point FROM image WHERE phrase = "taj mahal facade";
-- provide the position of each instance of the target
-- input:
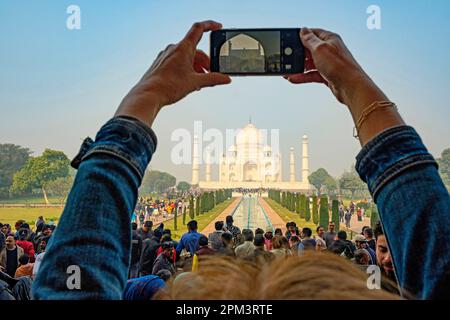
(250, 163)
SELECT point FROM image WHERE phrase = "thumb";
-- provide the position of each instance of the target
(211, 79)
(309, 39)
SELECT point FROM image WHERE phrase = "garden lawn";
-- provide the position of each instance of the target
(30, 215)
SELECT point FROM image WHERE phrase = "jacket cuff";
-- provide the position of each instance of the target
(123, 137)
(390, 153)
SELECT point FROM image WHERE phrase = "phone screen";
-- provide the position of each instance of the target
(250, 52)
(256, 51)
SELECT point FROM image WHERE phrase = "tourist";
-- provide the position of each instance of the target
(146, 231)
(228, 245)
(40, 253)
(292, 230)
(268, 236)
(342, 246)
(136, 248)
(9, 256)
(321, 244)
(361, 244)
(341, 213)
(46, 232)
(189, 240)
(27, 246)
(279, 249)
(39, 222)
(246, 250)
(383, 255)
(149, 252)
(165, 259)
(25, 267)
(347, 218)
(6, 230)
(124, 146)
(278, 232)
(215, 238)
(368, 234)
(235, 231)
(259, 231)
(297, 246)
(143, 288)
(330, 235)
(260, 255)
(362, 259)
(204, 249)
(308, 242)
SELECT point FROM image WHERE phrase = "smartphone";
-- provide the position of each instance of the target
(245, 52)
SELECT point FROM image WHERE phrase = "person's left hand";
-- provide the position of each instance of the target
(177, 71)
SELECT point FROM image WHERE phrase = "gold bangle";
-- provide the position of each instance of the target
(367, 111)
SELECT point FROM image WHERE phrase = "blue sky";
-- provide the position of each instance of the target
(58, 86)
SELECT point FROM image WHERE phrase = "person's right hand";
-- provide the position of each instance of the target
(329, 61)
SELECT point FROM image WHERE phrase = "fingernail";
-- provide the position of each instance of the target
(305, 30)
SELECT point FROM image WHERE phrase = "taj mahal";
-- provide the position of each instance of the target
(250, 163)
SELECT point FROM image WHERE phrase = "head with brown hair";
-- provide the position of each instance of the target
(310, 276)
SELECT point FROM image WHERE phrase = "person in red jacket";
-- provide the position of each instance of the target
(27, 246)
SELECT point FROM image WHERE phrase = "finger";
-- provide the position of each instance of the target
(196, 32)
(211, 79)
(309, 62)
(309, 39)
(310, 77)
(323, 34)
(201, 62)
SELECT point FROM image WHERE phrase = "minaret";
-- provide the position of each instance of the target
(292, 166)
(208, 165)
(195, 162)
(305, 160)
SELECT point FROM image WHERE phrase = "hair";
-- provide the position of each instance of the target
(218, 225)
(317, 229)
(164, 274)
(280, 279)
(248, 234)
(165, 237)
(277, 242)
(369, 232)
(259, 240)
(192, 225)
(307, 232)
(378, 231)
(148, 224)
(342, 235)
(278, 230)
(24, 259)
(360, 254)
(167, 231)
(364, 228)
(229, 219)
(133, 226)
(259, 231)
(202, 241)
(227, 236)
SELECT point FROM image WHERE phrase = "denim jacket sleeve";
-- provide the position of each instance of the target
(94, 233)
(414, 208)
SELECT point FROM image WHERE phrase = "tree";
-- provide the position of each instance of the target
(12, 159)
(157, 181)
(175, 217)
(302, 206)
(183, 186)
(38, 172)
(324, 216)
(320, 178)
(307, 210)
(184, 215)
(197, 206)
(315, 212)
(330, 185)
(335, 214)
(60, 187)
(191, 207)
(374, 217)
(444, 166)
(350, 181)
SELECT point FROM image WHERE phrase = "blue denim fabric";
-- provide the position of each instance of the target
(94, 232)
(414, 208)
